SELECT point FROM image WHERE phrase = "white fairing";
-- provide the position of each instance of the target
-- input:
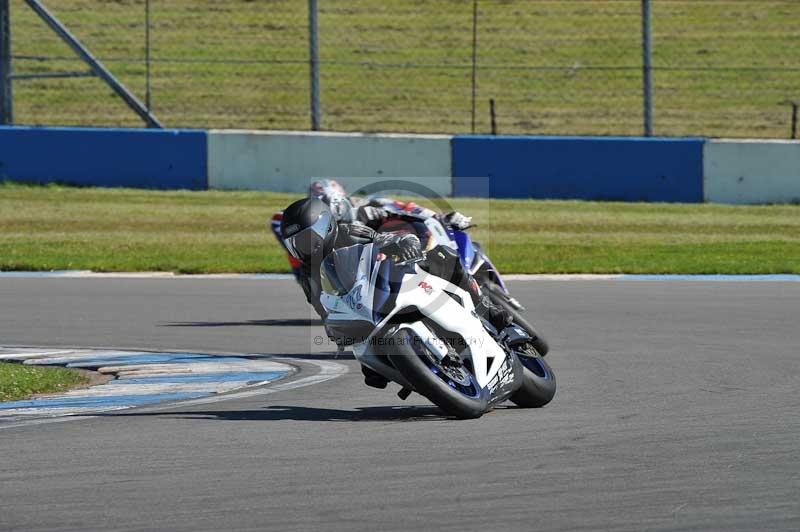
(429, 294)
(439, 234)
(445, 311)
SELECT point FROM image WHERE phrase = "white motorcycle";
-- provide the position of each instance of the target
(423, 333)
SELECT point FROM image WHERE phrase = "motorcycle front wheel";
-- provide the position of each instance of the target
(452, 387)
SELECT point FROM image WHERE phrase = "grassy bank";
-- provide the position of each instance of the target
(553, 66)
(51, 228)
(18, 381)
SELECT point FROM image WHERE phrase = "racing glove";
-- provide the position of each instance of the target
(456, 220)
(370, 215)
(400, 248)
(358, 233)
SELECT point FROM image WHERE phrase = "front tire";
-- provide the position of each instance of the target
(538, 380)
(498, 297)
(452, 389)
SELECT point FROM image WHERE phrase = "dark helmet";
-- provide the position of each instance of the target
(308, 228)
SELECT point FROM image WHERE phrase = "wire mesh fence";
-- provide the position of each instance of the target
(720, 67)
(725, 67)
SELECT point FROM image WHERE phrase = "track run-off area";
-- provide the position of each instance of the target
(677, 409)
(128, 379)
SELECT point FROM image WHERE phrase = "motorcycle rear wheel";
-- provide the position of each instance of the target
(451, 388)
(498, 297)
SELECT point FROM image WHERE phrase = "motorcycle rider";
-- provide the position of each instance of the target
(374, 212)
(344, 210)
(354, 210)
(310, 232)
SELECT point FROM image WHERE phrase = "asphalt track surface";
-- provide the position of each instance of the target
(678, 409)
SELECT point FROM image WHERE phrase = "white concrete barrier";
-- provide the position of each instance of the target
(751, 171)
(286, 161)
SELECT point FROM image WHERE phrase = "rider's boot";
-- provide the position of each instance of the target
(444, 262)
(373, 378)
(497, 316)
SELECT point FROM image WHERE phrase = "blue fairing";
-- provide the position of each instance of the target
(382, 290)
(275, 225)
(496, 273)
(465, 249)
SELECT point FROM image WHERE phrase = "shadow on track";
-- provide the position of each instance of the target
(290, 322)
(301, 413)
(330, 355)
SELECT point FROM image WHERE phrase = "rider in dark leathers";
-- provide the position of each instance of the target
(357, 212)
(310, 248)
(310, 233)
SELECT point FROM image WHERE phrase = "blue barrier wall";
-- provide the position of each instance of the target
(589, 168)
(142, 158)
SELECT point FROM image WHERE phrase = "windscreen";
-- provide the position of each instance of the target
(339, 269)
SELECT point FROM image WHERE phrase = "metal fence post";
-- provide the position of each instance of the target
(647, 67)
(147, 101)
(313, 56)
(474, 58)
(6, 93)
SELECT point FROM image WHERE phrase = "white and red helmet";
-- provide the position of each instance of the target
(327, 190)
(335, 196)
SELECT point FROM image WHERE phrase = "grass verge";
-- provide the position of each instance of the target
(53, 227)
(18, 381)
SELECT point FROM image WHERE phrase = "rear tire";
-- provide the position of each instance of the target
(538, 381)
(411, 358)
(498, 297)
